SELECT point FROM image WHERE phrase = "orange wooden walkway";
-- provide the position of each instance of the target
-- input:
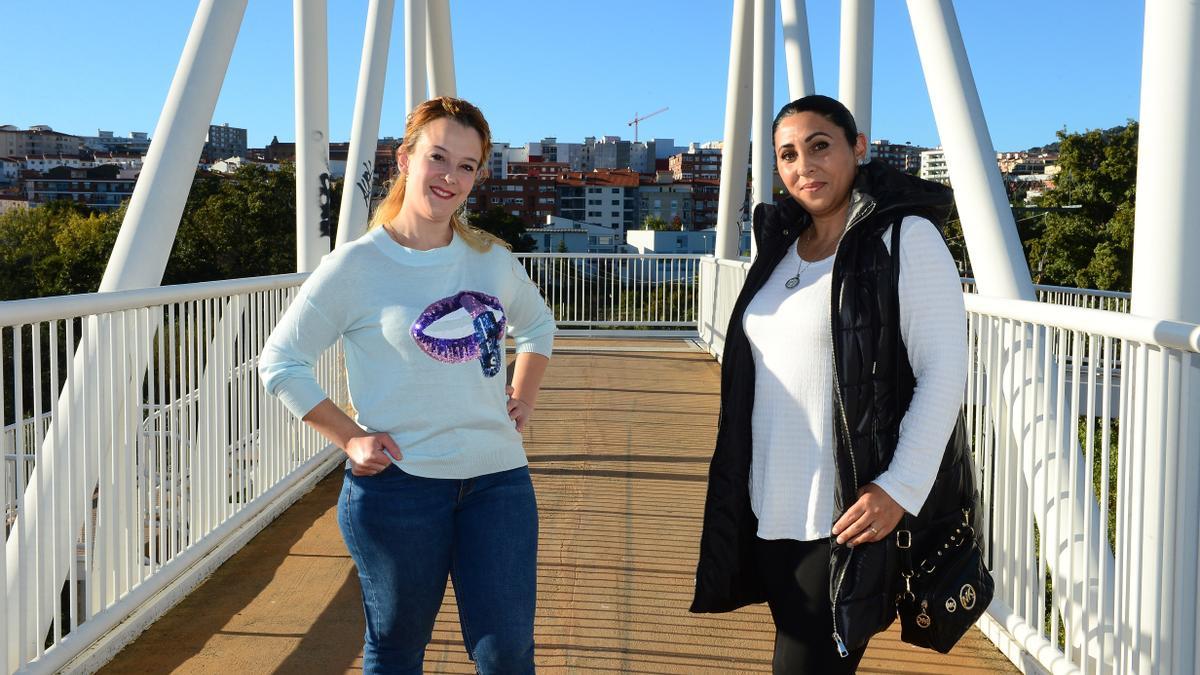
(619, 451)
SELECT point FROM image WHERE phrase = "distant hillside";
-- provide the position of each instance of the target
(1053, 147)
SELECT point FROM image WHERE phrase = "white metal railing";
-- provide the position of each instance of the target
(720, 282)
(18, 459)
(149, 439)
(1089, 298)
(157, 441)
(614, 290)
(1058, 410)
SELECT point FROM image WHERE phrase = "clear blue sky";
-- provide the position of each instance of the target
(571, 68)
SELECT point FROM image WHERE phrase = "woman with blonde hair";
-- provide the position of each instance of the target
(436, 481)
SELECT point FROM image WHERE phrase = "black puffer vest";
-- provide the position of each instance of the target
(873, 384)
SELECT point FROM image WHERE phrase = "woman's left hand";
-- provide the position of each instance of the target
(518, 411)
(869, 519)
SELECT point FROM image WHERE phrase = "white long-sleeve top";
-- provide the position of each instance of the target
(792, 471)
(423, 333)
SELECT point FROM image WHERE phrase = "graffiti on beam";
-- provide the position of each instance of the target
(364, 182)
(325, 200)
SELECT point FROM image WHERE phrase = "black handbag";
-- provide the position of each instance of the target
(946, 593)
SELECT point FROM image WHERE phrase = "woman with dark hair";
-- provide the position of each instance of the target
(436, 482)
(841, 389)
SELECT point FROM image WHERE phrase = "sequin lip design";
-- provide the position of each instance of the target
(483, 339)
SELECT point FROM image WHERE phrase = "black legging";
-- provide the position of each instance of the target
(796, 575)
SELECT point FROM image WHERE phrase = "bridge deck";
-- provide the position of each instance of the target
(618, 451)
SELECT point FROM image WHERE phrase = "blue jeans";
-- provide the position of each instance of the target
(407, 533)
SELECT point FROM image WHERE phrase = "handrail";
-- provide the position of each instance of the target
(1120, 295)
(1146, 330)
(31, 310)
(614, 256)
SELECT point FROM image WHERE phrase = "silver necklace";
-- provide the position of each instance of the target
(794, 281)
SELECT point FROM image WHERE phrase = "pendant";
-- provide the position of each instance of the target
(793, 282)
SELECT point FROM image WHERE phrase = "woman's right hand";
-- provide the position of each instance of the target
(369, 453)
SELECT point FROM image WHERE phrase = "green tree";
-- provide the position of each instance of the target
(54, 249)
(243, 225)
(85, 244)
(506, 226)
(1091, 245)
(655, 223)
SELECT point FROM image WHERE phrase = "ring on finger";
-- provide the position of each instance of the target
(874, 531)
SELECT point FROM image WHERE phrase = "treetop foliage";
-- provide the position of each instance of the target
(1090, 246)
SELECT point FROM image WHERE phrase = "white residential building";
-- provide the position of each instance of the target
(933, 166)
(498, 162)
(106, 141)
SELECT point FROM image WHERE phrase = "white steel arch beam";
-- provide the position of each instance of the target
(439, 50)
(1165, 282)
(991, 234)
(763, 157)
(1000, 269)
(311, 58)
(139, 257)
(797, 51)
(737, 129)
(1166, 234)
(364, 131)
(415, 29)
(138, 260)
(857, 50)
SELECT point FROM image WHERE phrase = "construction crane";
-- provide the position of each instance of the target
(634, 122)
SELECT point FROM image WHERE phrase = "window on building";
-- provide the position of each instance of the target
(616, 202)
